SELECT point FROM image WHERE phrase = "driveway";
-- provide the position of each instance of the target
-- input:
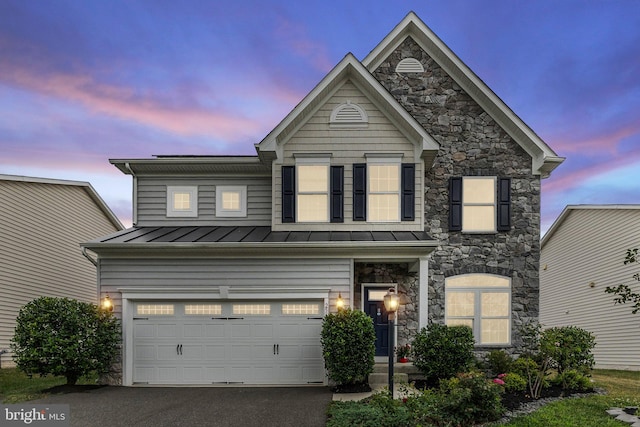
(191, 406)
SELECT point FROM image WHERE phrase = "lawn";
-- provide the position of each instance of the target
(15, 386)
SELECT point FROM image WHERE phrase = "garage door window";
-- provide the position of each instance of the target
(252, 309)
(155, 309)
(202, 309)
(293, 309)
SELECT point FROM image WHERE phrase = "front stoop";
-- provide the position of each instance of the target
(401, 372)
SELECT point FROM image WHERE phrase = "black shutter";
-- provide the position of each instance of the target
(504, 204)
(288, 194)
(408, 195)
(360, 192)
(455, 204)
(337, 194)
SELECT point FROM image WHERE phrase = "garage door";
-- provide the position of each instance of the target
(228, 343)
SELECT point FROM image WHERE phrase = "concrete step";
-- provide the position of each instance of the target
(379, 380)
(402, 368)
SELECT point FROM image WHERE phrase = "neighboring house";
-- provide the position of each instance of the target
(402, 170)
(582, 253)
(42, 223)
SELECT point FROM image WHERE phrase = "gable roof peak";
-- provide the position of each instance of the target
(544, 159)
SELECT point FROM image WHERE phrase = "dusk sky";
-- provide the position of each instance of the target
(84, 81)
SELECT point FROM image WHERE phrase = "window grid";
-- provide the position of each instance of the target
(384, 192)
(313, 193)
(181, 201)
(293, 309)
(155, 309)
(231, 200)
(252, 309)
(202, 309)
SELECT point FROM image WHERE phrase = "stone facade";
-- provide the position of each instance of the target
(472, 144)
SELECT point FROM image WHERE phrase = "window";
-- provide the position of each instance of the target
(231, 201)
(384, 189)
(482, 302)
(182, 201)
(202, 309)
(479, 204)
(255, 309)
(299, 309)
(313, 193)
(155, 309)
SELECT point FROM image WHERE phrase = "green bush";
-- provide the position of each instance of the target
(514, 382)
(469, 399)
(379, 411)
(569, 348)
(441, 351)
(348, 346)
(534, 373)
(499, 362)
(62, 336)
(571, 379)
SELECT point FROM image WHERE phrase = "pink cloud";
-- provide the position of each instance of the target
(295, 36)
(604, 143)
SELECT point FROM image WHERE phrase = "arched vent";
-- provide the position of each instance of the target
(348, 115)
(409, 65)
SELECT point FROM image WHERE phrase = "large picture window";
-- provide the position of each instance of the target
(482, 302)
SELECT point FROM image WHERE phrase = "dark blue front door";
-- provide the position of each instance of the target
(375, 309)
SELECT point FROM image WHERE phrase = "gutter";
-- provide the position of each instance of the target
(86, 255)
(135, 194)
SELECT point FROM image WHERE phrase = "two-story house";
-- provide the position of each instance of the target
(403, 170)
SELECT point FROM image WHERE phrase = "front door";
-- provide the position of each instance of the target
(374, 307)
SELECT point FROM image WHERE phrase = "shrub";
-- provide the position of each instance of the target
(379, 411)
(569, 348)
(571, 379)
(441, 351)
(499, 362)
(514, 382)
(470, 398)
(62, 336)
(348, 346)
(533, 372)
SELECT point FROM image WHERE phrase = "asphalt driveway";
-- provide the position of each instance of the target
(191, 406)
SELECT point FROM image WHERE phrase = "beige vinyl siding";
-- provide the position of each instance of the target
(348, 146)
(589, 247)
(41, 228)
(209, 274)
(152, 201)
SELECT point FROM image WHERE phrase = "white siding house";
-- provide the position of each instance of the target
(42, 223)
(583, 253)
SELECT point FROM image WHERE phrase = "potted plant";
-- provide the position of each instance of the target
(403, 352)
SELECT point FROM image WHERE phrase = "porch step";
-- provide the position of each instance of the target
(380, 376)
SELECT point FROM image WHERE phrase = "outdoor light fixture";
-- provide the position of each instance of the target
(391, 303)
(340, 302)
(107, 304)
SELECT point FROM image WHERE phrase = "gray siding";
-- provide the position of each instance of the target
(41, 228)
(590, 246)
(348, 146)
(152, 201)
(171, 274)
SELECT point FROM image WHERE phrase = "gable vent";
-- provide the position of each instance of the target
(348, 115)
(409, 65)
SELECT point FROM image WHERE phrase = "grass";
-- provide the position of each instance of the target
(16, 386)
(623, 389)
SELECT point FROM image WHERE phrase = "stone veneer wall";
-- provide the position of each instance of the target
(407, 320)
(471, 144)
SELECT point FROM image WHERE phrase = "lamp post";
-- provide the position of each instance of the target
(391, 302)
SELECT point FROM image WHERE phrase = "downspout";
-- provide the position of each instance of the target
(86, 255)
(135, 193)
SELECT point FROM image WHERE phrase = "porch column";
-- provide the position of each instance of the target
(423, 293)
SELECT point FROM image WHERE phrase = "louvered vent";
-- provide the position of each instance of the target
(409, 65)
(348, 115)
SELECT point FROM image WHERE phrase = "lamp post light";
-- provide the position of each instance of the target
(391, 302)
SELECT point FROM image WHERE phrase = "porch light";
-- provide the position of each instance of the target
(391, 303)
(106, 303)
(340, 302)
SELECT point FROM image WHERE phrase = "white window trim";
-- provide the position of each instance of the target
(235, 213)
(312, 159)
(477, 315)
(495, 205)
(192, 211)
(379, 159)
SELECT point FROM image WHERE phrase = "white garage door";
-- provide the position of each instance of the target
(228, 342)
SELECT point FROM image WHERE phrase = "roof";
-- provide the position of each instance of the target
(93, 194)
(544, 159)
(570, 208)
(226, 239)
(191, 165)
(349, 68)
